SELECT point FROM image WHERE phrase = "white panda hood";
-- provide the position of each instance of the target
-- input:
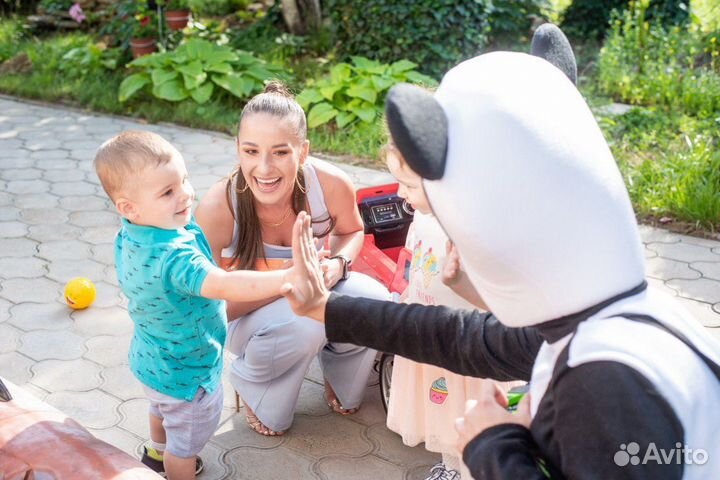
(531, 194)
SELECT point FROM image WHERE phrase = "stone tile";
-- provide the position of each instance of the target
(8, 213)
(701, 242)
(35, 391)
(716, 308)
(20, 160)
(9, 338)
(64, 250)
(234, 433)
(64, 270)
(49, 156)
(120, 438)
(84, 155)
(47, 344)
(36, 200)
(666, 269)
(6, 199)
(708, 269)
(134, 417)
(48, 233)
(99, 235)
(13, 229)
(93, 409)
(84, 144)
(656, 235)
(215, 468)
(4, 310)
(52, 165)
(41, 290)
(684, 252)
(73, 188)
(93, 321)
(371, 411)
(44, 216)
(65, 175)
(703, 289)
(41, 316)
(20, 174)
(77, 375)
(14, 144)
(104, 254)
(27, 186)
(82, 203)
(22, 267)
(17, 247)
(390, 447)
(95, 219)
(703, 312)
(349, 468)
(110, 351)
(310, 401)
(327, 436)
(111, 276)
(107, 295)
(8, 134)
(251, 463)
(44, 144)
(120, 382)
(16, 367)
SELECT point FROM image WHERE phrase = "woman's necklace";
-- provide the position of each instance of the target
(282, 220)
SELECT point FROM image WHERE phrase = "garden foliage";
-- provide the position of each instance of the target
(355, 93)
(194, 70)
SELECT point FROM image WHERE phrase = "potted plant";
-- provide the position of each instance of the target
(143, 39)
(177, 14)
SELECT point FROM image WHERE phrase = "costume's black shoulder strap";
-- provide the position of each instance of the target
(714, 367)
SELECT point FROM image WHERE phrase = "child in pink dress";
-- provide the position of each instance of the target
(425, 400)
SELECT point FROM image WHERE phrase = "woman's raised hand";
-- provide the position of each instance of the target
(304, 285)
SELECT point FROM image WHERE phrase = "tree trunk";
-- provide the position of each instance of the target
(301, 16)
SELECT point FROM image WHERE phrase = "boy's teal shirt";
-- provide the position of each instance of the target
(178, 340)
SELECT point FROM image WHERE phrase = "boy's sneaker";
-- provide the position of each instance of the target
(157, 466)
(440, 472)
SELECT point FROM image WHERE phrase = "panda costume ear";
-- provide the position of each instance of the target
(551, 44)
(419, 129)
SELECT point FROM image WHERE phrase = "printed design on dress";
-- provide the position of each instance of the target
(438, 391)
(426, 262)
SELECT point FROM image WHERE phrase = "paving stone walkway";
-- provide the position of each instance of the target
(55, 224)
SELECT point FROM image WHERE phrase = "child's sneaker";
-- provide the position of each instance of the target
(150, 460)
(440, 472)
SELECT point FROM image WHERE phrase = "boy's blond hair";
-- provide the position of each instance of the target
(127, 154)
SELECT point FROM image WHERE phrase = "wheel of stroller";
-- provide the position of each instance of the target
(386, 368)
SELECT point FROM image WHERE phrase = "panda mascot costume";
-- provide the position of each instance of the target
(624, 384)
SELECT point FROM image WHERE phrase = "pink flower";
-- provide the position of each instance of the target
(76, 13)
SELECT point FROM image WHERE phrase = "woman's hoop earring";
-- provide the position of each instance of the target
(297, 182)
(244, 189)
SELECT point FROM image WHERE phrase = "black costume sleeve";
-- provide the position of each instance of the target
(466, 342)
(598, 407)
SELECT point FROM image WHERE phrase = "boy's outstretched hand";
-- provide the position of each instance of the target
(304, 285)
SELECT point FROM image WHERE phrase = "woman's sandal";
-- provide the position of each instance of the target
(334, 403)
(257, 426)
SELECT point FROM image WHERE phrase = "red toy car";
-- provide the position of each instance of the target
(387, 218)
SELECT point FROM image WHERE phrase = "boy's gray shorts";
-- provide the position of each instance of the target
(188, 425)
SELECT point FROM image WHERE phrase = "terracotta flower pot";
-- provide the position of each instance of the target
(177, 19)
(142, 46)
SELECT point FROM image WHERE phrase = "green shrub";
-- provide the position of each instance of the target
(216, 7)
(355, 93)
(12, 32)
(512, 21)
(194, 69)
(435, 34)
(648, 64)
(591, 18)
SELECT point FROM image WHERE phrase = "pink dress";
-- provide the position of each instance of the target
(425, 400)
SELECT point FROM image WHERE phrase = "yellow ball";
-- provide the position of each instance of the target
(79, 293)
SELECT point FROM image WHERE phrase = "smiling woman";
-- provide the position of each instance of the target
(248, 221)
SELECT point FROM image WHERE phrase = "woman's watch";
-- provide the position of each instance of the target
(346, 262)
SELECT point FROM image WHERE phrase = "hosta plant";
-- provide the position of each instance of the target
(195, 70)
(355, 93)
